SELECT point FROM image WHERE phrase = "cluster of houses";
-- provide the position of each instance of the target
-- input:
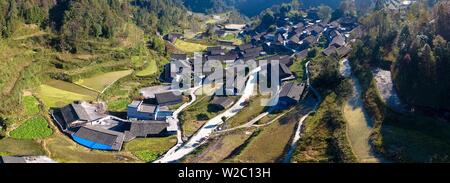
(89, 124)
(297, 36)
(291, 39)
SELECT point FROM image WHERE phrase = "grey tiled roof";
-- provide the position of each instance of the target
(223, 102)
(146, 128)
(101, 136)
(292, 90)
(167, 97)
(12, 159)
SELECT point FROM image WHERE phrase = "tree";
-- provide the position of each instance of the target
(443, 19)
(404, 39)
(324, 12)
(348, 7)
(296, 4)
(337, 14)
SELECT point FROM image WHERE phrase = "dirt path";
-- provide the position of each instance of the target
(359, 126)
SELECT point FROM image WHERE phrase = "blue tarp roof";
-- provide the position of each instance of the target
(91, 144)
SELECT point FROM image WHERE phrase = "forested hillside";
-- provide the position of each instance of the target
(74, 22)
(249, 7)
(423, 68)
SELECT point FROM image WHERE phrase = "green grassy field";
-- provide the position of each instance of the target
(31, 105)
(269, 145)
(34, 128)
(64, 150)
(220, 147)
(149, 149)
(195, 115)
(149, 70)
(20, 147)
(70, 87)
(54, 97)
(251, 111)
(324, 136)
(101, 81)
(298, 68)
(189, 47)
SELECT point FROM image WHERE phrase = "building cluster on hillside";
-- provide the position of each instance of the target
(291, 39)
(89, 124)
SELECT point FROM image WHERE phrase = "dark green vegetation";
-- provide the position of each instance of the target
(423, 63)
(48, 46)
(249, 7)
(324, 135)
(418, 65)
(33, 128)
(149, 149)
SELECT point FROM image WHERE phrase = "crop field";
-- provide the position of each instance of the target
(70, 87)
(253, 109)
(269, 145)
(63, 149)
(34, 128)
(189, 47)
(31, 105)
(221, 147)
(11, 146)
(55, 97)
(149, 70)
(196, 115)
(102, 81)
(149, 149)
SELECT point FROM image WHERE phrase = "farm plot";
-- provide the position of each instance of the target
(102, 81)
(149, 149)
(267, 147)
(149, 70)
(31, 105)
(55, 97)
(11, 146)
(189, 47)
(34, 128)
(64, 150)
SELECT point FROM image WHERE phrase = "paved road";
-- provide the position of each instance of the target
(174, 120)
(207, 129)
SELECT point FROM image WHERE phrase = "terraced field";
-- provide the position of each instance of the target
(56, 97)
(149, 70)
(34, 128)
(189, 47)
(102, 81)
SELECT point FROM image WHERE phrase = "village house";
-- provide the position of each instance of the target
(147, 128)
(168, 98)
(80, 113)
(178, 62)
(221, 103)
(172, 37)
(234, 27)
(291, 93)
(139, 110)
(99, 138)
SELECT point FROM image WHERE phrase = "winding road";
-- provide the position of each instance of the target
(179, 151)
